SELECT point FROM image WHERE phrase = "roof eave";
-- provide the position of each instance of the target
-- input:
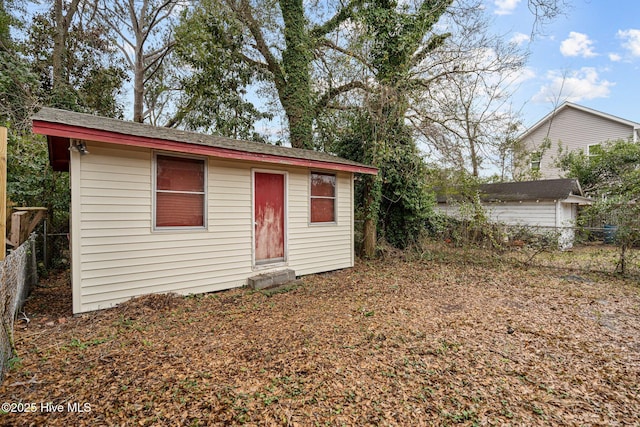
(582, 108)
(580, 200)
(78, 132)
(540, 122)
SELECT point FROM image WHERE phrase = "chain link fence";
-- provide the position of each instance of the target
(604, 248)
(18, 275)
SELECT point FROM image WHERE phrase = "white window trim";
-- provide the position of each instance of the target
(589, 155)
(154, 191)
(531, 161)
(335, 200)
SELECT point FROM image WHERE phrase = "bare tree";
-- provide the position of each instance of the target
(142, 31)
(62, 22)
(463, 111)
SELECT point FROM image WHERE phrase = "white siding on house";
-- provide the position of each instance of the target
(117, 255)
(541, 214)
(324, 246)
(575, 130)
(548, 215)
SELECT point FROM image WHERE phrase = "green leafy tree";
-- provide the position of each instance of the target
(17, 92)
(83, 76)
(6, 21)
(30, 179)
(214, 90)
(17, 82)
(613, 171)
(612, 179)
(398, 200)
(283, 42)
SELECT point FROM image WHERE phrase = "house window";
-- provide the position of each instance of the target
(179, 192)
(594, 150)
(323, 197)
(536, 157)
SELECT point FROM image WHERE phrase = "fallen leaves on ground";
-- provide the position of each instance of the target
(392, 342)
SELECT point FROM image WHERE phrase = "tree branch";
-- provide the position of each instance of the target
(333, 92)
(332, 45)
(273, 65)
(343, 14)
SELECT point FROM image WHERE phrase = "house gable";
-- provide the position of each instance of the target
(572, 127)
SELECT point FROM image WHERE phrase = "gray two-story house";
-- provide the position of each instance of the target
(570, 127)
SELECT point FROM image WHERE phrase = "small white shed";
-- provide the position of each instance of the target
(543, 205)
(157, 210)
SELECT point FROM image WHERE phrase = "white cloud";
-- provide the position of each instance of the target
(614, 57)
(631, 40)
(574, 86)
(577, 44)
(505, 7)
(519, 39)
(515, 79)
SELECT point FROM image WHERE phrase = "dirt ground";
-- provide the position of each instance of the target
(391, 342)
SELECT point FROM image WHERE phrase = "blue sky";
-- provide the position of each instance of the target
(590, 56)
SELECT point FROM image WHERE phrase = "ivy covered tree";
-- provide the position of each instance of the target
(395, 201)
(282, 44)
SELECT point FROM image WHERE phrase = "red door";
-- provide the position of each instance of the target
(269, 217)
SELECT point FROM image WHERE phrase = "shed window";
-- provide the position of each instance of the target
(179, 192)
(323, 197)
(536, 157)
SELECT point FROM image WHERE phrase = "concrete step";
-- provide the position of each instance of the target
(271, 279)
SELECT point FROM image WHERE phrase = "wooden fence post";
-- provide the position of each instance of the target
(3, 191)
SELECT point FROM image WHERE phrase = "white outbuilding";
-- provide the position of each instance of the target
(549, 205)
(156, 210)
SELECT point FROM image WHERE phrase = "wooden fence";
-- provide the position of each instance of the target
(18, 275)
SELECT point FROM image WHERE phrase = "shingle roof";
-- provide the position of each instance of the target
(72, 120)
(547, 189)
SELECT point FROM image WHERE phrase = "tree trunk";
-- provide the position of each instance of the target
(58, 44)
(474, 158)
(62, 24)
(138, 86)
(296, 62)
(372, 198)
(300, 123)
(370, 238)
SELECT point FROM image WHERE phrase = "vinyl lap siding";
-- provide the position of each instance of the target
(121, 257)
(319, 247)
(575, 130)
(541, 214)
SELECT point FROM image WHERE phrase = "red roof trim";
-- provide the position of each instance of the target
(77, 132)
